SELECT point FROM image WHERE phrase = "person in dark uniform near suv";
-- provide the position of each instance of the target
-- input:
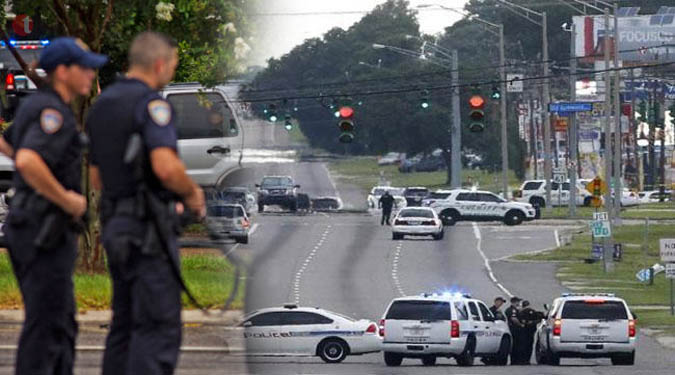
(529, 318)
(386, 203)
(145, 333)
(46, 146)
(516, 328)
(495, 309)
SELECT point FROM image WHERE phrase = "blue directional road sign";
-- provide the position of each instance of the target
(570, 107)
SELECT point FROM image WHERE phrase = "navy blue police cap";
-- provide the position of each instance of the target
(67, 51)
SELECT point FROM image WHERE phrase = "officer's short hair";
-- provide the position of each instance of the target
(149, 46)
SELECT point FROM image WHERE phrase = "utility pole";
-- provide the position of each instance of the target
(456, 133)
(633, 131)
(505, 134)
(618, 189)
(608, 144)
(652, 140)
(547, 114)
(533, 136)
(572, 141)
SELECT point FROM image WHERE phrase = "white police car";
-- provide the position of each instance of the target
(304, 331)
(477, 205)
(438, 195)
(587, 326)
(417, 221)
(449, 325)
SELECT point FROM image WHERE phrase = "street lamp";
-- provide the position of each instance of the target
(502, 74)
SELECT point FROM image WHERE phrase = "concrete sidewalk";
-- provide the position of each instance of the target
(214, 317)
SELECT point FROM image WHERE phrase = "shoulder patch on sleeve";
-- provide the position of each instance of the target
(51, 120)
(160, 112)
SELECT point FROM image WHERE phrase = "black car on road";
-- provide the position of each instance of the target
(278, 191)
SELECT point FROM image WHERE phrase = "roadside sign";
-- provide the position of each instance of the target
(643, 275)
(600, 216)
(570, 107)
(601, 228)
(560, 124)
(514, 83)
(597, 251)
(667, 249)
(670, 271)
(22, 25)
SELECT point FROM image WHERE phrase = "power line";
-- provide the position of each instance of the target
(442, 87)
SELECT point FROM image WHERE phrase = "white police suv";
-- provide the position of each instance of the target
(476, 205)
(449, 325)
(304, 331)
(587, 326)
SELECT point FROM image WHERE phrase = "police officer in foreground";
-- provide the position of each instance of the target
(516, 328)
(145, 333)
(529, 318)
(46, 146)
(386, 203)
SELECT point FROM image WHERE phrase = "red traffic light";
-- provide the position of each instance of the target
(626, 109)
(476, 101)
(346, 112)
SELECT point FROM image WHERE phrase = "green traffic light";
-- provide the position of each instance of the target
(425, 105)
(288, 126)
(496, 94)
(273, 118)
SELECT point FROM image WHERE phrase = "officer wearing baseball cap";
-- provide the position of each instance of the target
(46, 146)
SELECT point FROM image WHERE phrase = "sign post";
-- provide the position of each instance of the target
(667, 251)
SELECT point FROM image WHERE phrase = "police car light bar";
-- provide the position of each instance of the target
(290, 306)
(27, 44)
(588, 295)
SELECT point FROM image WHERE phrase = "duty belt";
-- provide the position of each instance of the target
(129, 206)
(30, 201)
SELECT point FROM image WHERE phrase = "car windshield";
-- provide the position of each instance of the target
(378, 191)
(202, 116)
(417, 213)
(532, 185)
(416, 192)
(277, 181)
(396, 191)
(233, 195)
(419, 310)
(594, 309)
(438, 195)
(229, 212)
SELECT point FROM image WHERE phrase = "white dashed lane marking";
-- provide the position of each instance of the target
(479, 248)
(298, 276)
(394, 269)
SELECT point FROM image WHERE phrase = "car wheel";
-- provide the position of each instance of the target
(466, 358)
(293, 206)
(514, 217)
(623, 359)
(242, 240)
(449, 217)
(438, 237)
(397, 236)
(333, 350)
(502, 357)
(553, 358)
(392, 359)
(539, 355)
(429, 360)
(261, 207)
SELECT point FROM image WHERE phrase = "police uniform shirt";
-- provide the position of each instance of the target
(511, 313)
(126, 107)
(46, 125)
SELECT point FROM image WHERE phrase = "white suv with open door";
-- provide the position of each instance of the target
(210, 136)
(587, 326)
(449, 325)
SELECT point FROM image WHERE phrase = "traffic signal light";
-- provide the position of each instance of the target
(288, 122)
(642, 111)
(346, 124)
(496, 94)
(476, 114)
(424, 99)
(271, 113)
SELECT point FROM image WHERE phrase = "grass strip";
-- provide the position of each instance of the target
(210, 277)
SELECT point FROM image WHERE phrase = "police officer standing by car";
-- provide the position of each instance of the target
(495, 309)
(386, 203)
(46, 146)
(529, 318)
(516, 328)
(145, 333)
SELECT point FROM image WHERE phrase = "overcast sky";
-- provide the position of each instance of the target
(283, 24)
